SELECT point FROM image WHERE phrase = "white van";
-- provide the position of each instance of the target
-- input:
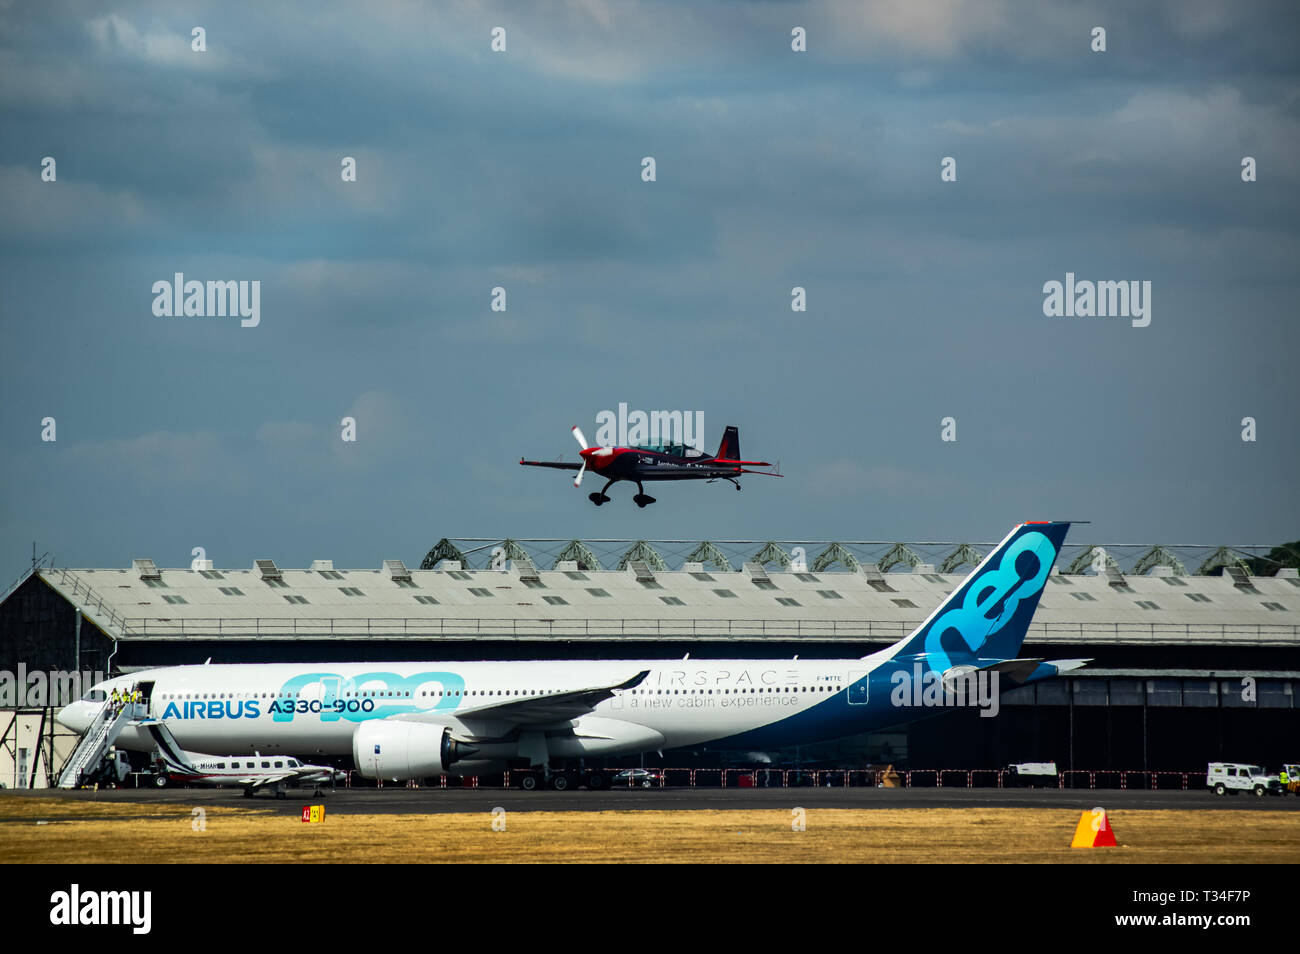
(1235, 777)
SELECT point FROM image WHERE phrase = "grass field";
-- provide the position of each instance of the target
(81, 832)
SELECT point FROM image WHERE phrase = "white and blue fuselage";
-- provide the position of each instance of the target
(483, 714)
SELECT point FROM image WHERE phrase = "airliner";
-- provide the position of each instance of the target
(423, 719)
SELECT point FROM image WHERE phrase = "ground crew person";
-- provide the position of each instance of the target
(113, 698)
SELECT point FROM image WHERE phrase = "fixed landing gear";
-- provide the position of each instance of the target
(642, 499)
(599, 496)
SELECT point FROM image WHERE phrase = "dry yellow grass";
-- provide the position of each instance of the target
(164, 833)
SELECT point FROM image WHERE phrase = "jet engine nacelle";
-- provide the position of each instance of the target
(402, 750)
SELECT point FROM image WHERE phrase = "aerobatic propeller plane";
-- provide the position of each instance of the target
(666, 461)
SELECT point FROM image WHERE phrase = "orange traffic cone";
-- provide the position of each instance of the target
(1094, 831)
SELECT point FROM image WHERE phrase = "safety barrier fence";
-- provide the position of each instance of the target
(1104, 779)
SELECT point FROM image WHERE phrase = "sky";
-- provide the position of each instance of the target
(523, 169)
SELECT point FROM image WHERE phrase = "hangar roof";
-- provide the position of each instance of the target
(639, 604)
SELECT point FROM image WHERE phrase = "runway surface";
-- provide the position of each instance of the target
(401, 800)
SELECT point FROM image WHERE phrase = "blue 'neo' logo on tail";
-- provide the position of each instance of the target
(1005, 589)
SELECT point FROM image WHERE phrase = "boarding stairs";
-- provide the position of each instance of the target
(99, 738)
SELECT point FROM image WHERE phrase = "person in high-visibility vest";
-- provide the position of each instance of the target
(113, 699)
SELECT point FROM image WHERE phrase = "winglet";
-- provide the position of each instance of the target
(634, 681)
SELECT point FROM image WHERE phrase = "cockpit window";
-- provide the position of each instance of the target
(664, 447)
(94, 695)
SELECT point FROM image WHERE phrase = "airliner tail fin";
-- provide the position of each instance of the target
(988, 615)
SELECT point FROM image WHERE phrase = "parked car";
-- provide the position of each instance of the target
(637, 778)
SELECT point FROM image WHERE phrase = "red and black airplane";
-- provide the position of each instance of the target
(657, 462)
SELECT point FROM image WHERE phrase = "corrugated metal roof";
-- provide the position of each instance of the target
(840, 606)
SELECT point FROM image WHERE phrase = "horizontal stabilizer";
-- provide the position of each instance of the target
(1066, 665)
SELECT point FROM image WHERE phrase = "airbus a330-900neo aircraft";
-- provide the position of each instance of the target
(423, 719)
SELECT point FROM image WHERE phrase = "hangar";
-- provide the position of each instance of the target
(1188, 667)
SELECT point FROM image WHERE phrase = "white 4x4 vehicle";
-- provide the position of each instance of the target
(1224, 777)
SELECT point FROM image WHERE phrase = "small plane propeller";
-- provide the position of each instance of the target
(582, 443)
(587, 453)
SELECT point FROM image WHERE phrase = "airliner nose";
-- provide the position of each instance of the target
(73, 716)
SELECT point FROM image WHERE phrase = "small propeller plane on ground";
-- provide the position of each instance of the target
(657, 462)
(251, 773)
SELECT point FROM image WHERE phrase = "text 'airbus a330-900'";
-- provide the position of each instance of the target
(666, 461)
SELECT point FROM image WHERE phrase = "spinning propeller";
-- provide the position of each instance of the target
(586, 453)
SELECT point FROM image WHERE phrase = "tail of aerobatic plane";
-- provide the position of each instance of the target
(986, 618)
(729, 449)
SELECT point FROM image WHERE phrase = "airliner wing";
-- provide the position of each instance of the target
(537, 710)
